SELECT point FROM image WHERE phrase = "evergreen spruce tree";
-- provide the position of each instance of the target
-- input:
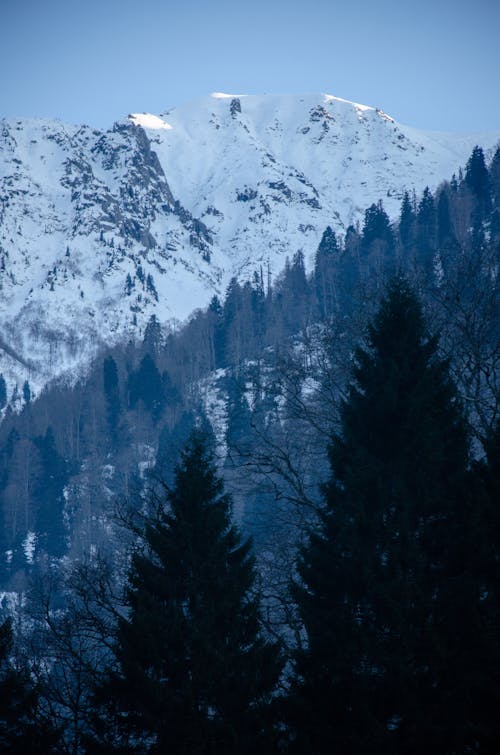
(478, 180)
(326, 260)
(146, 385)
(376, 227)
(152, 335)
(377, 243)
(258, 301)
(407, 220)
(388, 596)
(195, 674)
(483, 677)
(112, 396)
(294, 295)
(26, 392)
(216, 321)
(22, 732)
(445, 234)
(426, 242)
(495, 178)
(170, 444)
(349, 270)
(495, 195)
(3, 392)
(48, 495)
(447, 245)
(239, 419)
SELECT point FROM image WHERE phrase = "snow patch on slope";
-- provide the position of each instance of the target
(147, 120)
(101, 229)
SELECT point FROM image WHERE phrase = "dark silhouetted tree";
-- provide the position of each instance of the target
(26, 392)
(377, 242)
(22, 731)
(48, 495)
(112, 395)
(388, 596)
(3, 392)
(146, 385)
(426, 232)
(195, 674)
(152, 336)
(407, 221)
(477, 179)
(325, 263)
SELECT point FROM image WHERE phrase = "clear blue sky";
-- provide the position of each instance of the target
(433, 65)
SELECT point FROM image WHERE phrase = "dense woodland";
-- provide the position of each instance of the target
(276, 527)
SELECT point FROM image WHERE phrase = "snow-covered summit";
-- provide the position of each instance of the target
(101, 229)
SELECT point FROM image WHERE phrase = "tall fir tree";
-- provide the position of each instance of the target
(388, 595)
(22, 730)
(483, 677)
(326, 260)
(3, 392)
(145, 384)
(477, 179)
(195, 674)
(48, 495)
(407, 220)
(445, 234)
(426, 241)
(377, 244)
(112, 396)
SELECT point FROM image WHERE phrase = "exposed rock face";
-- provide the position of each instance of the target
(99, 230)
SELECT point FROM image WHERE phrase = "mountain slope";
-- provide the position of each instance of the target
(99, 230)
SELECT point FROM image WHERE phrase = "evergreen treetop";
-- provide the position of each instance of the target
(195, 673)
(22, 731)
(478, 179)
(385, 582)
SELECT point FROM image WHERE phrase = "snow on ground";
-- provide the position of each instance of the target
(101, 229)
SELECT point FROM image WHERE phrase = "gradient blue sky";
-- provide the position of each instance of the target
(433, 65)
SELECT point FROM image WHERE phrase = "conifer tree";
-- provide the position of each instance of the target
(26, 392)
(377, 242)
(482, 683)
(258, 300)
(146, 385)
(495, 197)
(327, 257)
(152, 335)
(20, 731)
(239, 419)
(217, 330)
(388, 580)
(444, 229)
(234, 324)
(426, 231)
(112, 395)
(478, 179)
(495, 178)
(195, 674)
(171, 441)
(349, 270)
(3, 392)
(48, 495)
(407, 221)
(293, 294)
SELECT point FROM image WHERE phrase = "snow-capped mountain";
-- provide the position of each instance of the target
(101, 229)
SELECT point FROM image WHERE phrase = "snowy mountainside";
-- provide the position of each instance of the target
(101, 229)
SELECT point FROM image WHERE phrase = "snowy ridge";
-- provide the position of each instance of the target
(101, 229)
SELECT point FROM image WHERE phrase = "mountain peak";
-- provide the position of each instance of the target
(101, 229)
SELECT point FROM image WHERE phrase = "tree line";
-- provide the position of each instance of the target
(396, 588)
(332, 499)
(138, 399)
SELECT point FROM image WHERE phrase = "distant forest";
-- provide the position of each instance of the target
(276, 527)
